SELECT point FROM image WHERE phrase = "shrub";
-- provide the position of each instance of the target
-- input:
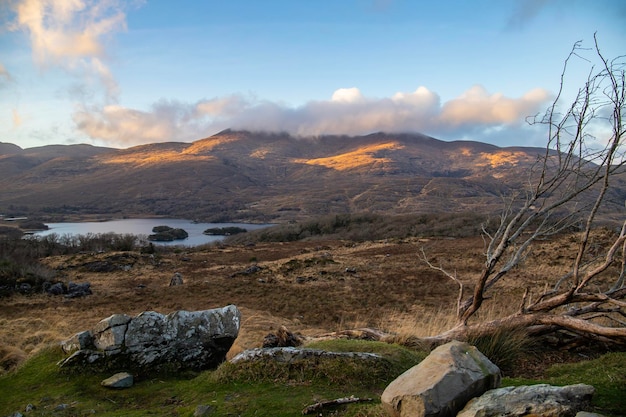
(224, 231)
(369, 226)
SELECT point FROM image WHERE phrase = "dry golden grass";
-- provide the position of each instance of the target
(496, 159)
(350, 160)
(310, 287)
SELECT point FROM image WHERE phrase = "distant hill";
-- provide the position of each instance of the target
(245, 176)
(9, 148)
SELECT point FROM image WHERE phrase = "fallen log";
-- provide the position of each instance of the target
(329, 403)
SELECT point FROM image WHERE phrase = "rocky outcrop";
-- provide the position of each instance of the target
(292, 354)
(442, 383)
(542, 399)
(73, 290)
(183, 340)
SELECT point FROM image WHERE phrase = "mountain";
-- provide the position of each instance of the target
(245, 176)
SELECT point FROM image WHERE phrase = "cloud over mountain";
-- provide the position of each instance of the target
(348, 111)
(75, 35)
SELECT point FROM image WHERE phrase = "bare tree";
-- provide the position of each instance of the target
(566, 188)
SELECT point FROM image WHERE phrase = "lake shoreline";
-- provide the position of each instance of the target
(143, 227)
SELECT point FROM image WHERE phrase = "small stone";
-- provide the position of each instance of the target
(29, 408)
(118, 381)
(56, 289)
(25, 288)
(176, 280)
(203, 410)
(78, 290)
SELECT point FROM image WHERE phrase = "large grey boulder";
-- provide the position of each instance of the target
(442, 383)
(544, 400)
(182, 340)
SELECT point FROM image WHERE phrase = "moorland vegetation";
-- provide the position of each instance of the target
(542, 282)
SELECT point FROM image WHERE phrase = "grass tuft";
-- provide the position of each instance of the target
(10, 358)
(503, 347)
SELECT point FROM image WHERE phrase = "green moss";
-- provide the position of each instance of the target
(277, 392)
(606, 374)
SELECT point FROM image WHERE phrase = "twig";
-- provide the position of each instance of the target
(522, 307)
(339, 401)
(454, 278)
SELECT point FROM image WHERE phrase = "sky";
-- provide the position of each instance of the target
(121, 73)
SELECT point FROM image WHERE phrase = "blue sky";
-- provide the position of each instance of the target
(122, 73)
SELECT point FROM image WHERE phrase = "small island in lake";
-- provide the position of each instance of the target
(167, 234)
(224, 231)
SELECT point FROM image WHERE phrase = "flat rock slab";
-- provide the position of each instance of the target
(292, 354)
(119, 381)
(542, 399)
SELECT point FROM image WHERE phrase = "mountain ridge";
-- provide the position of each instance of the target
(263, 176)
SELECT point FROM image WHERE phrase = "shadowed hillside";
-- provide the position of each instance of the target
(244, 176)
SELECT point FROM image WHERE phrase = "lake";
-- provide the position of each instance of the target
(144, 227)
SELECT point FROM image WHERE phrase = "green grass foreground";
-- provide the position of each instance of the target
(262, 389)
(607, 375)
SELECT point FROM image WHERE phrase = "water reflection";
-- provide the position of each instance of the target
(144, 227)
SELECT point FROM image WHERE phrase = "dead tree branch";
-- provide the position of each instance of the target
(339, 401)
(567, 189)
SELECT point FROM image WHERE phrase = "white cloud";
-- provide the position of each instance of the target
(71, 34)
(347, 95)
(222, 106)
(478, 106)
(121, 126)
(475, 115)
(422, 98)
